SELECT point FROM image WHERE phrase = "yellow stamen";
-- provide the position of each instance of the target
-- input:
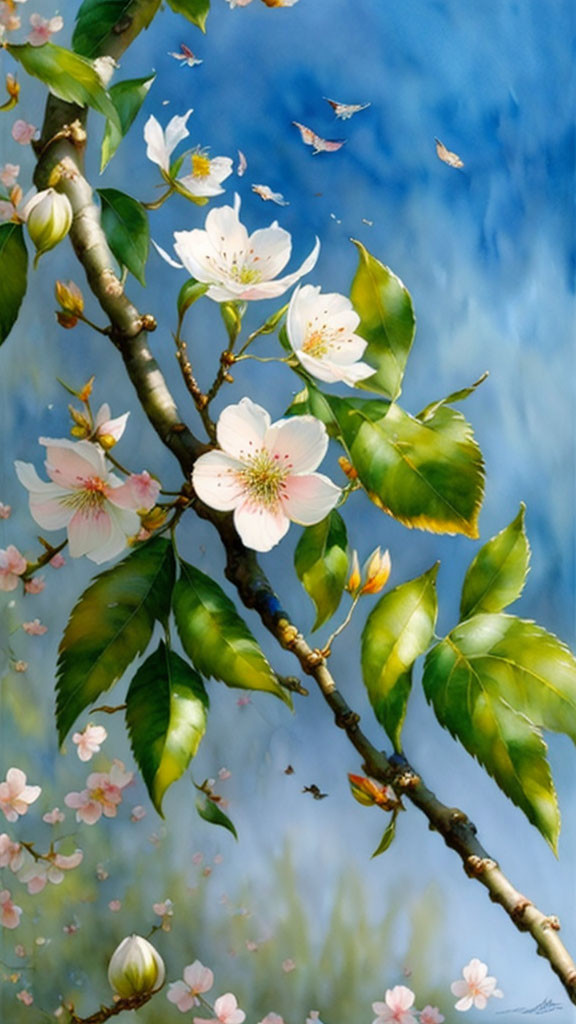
(200, 165)
(264, 477)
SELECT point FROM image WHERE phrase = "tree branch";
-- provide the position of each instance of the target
(129, 333)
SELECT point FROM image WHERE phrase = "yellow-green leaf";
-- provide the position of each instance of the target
(68, 75)
(211, 813)
(494, 682)
(166, 708)
(387, 839)
(111, 624)
(427, 475)
(397, 631)
(215, 637)
(321, 562)
(456, 396)
(387, 322)
(496, 576)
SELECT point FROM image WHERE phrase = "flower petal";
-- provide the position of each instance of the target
(88, 530)
(46, 505)
(242, 428)
(271, 289)
(216, 481)
(198, 254)
(69, 463)
(300, 443)
(165, 256)
(260, 528)
(309, 499)
(156, 150)
(269, 250)
(176, 130)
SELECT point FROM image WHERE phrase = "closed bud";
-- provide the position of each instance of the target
(135, 967)
(371, 793)
(347, 468)
(70, 297)
(12, 87)
(376, 572)
(232, 313)
(355, 578)
(155, 518)
(48, 218)
(81, 426)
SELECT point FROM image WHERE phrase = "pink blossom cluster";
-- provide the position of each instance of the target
(12, 565)
(15, 795)
(102, 795)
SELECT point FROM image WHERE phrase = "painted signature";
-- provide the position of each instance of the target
(544, 1006)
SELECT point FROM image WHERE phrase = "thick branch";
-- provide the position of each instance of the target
(128, 331)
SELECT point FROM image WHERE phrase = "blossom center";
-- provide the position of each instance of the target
(264, 478)
(245, 274)
(91, 496)
(316, 344)
(200, 165)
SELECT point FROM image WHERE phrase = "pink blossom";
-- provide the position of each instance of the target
(23, 132)
(9, 912)
(115, 906)
(15, 795)
(8, 176)
(102, 795)
(431, 1015)
(25, 997)
(36, 873)
(138, 812)
(20, 666)
(35, 585)
(11, 853)
(272, 1018)
(314, 1017)
(226, 1010)
(5, 510)
(20, 950)
(224, 774)
(243, 702)
(98, 510)
(12, 565)
(197, 979)
(264, 473)
(218, 858)
(476, 988)
(89, 741)
(34, 628)
(396, 1008)
(288, 965)
(43, 28)
(197, 858)
(9, 22)
(54, 817)
(57, 562)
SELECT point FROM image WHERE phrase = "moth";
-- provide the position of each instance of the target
(314, 790)
(266, 193)
(189, 59)
(452, 159)
(309, 138)
(346, 110)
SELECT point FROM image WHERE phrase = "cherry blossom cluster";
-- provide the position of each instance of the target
(41, 29)
(102, 795)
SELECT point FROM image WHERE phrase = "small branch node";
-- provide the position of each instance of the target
(518, 911)
(313, 661)
(148, 322)
(550, 923)
(293, 684)
(408, 779)
(347, 720)
(476, 866)
(287, 634)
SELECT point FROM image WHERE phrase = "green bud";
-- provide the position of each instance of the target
(190, 291)
(48, 218)
(232, 313)
(135, 967)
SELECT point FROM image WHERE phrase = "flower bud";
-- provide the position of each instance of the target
(369, 793)
(376, 572)
(66, 320)
(355, 578)
(48, 219)
(70, 297)
(347, 468)
(135, 967)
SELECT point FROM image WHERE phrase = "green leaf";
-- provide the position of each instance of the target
(195, 11)
(321, 562)
(397, 631)
(111, 624)
(456, 396)
(166, 719)
(125, 224)
(67, 75)
(13, 275)
(96, 20)
(387, 322)
(215, 637)
(312, 402)
(210, 811)
(127, 97)
(427, 475)
(387, 839)
(496, 576)
(494, 682)
(190, 292)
